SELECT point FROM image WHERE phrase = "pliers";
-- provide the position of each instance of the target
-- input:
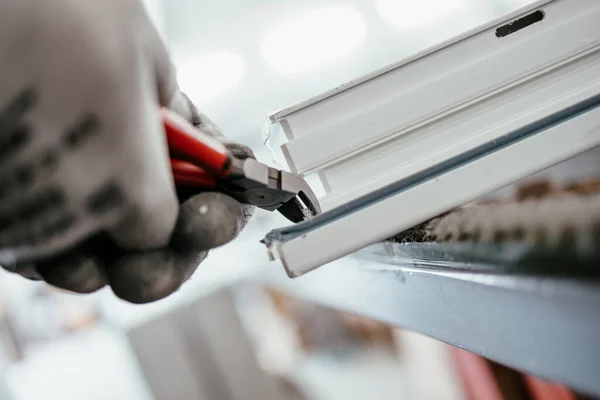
(201, 162)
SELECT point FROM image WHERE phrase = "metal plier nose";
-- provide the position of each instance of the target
(200, 161)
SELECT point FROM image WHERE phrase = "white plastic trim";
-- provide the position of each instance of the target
(444, 101)
(388, 217)
(436, 106)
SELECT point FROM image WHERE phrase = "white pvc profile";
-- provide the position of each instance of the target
(437, 104)
(302, 249)
(538, 86)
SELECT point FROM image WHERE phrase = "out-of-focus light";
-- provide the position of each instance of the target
(515, 4)
(314, 39)
(413, 14)
(205, 77)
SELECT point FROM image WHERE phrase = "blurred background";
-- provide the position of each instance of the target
(239, 61)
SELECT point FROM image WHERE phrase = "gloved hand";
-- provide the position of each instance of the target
(86, 193)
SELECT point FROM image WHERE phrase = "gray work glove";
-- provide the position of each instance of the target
(86, 193)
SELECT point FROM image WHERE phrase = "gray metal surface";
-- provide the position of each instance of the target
(545, 325)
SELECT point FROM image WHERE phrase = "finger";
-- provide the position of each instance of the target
(28, 271)
(154, 204)
(206, 125)
(151, 276)
(238, 150)
(79, 271)
(241, 151)
(207, 221)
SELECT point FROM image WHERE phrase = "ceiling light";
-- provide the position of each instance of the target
(413, 14)
(205, 77)
(314, 39)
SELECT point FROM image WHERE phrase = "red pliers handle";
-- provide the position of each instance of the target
(196, 159)
(201, 161)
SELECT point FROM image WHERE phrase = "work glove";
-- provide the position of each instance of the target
(86, 193)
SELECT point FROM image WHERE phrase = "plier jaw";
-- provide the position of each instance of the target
(200, 161)
(271, 189)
